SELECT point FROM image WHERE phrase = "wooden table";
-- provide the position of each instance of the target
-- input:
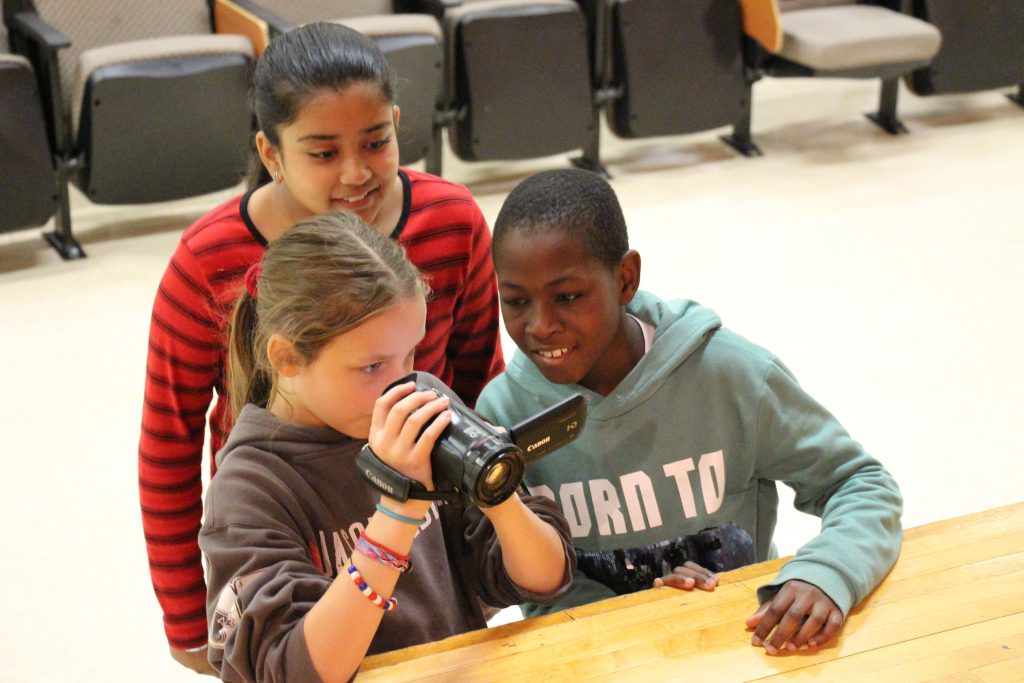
(952, 609)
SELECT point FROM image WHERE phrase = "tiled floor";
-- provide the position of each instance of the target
(886, 272)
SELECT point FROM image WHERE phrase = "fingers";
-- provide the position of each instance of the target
(800, 614)
(811, 624)
(400, 415)
(691, 575)
(382, 406)
(404, 428)
(785, 614)
(674, 580)
(833, 625)
(411, 413)
(754, 619)
(430, 411)
(705, 578)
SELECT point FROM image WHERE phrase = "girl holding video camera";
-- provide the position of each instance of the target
(304, 557)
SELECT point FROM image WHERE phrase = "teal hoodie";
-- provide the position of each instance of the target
(695, 436)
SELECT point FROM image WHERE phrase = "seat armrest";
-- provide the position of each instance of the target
(31, 26)
(40, 42)
(762, 23)
(250, 19)
(435, 7)
(895, 5)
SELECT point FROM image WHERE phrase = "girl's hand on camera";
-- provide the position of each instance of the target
(398, 418)
(691, 575)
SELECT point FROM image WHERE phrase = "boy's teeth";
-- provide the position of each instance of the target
(557, 353)
(356, 199)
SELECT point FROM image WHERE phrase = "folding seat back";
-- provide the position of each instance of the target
(158, 105)
(982, 46)
(144, 103)
(412, 44)
(518, 81)
(677, 67)
(27, 181)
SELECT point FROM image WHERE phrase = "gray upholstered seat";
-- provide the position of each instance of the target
(129, 89)
(855, 37)
(517, 78)
(837, 38)
(665, 67)
(27, 179)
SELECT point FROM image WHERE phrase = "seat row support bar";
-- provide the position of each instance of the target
(1017, 97)
(886, 117)
(61, 237)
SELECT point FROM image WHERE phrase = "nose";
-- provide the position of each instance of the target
(354, 170)
(543, 321)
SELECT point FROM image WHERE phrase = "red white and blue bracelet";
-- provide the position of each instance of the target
(357, 578)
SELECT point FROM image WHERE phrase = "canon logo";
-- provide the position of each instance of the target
(535, 446)
(378, 481)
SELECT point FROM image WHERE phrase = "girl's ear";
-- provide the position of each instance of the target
(396, 114)
(629, 276)
(268, 154)
(283, 356)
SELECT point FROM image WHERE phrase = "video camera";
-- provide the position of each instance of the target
(472, 461)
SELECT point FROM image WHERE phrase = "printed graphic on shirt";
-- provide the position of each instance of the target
(627, 571)
(229, 612)
(630, 504)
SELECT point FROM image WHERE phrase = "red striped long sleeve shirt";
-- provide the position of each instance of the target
(444, 234)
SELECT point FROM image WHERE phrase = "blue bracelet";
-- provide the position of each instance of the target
(400, 518)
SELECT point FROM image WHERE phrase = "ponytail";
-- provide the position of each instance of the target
(249, 379)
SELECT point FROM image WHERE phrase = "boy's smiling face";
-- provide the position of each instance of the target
(566, 310)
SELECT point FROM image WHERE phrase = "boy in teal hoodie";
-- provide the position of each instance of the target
(690, 426)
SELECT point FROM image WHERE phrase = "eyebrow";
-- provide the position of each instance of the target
(372, 129)
(554, 283)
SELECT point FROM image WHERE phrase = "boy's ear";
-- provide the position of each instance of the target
(629, 276)
(283, 356)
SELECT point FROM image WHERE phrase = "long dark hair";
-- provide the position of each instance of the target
(300, 64)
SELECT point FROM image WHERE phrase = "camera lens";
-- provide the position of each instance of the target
(471, 458)
(497, 475)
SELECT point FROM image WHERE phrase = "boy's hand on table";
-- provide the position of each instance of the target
(801, 614)
(691, 575)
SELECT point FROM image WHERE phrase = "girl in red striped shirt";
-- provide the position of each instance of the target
(324, 100)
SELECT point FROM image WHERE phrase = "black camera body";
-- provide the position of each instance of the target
(472, 461)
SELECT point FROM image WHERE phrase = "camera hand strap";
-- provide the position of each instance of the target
(393, 483)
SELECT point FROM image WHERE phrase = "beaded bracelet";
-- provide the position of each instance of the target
(381, 553)
(364, 588)
(401, 518)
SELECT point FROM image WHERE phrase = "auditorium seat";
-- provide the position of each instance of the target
(838, 39)
(127, 91)
(27, 181)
